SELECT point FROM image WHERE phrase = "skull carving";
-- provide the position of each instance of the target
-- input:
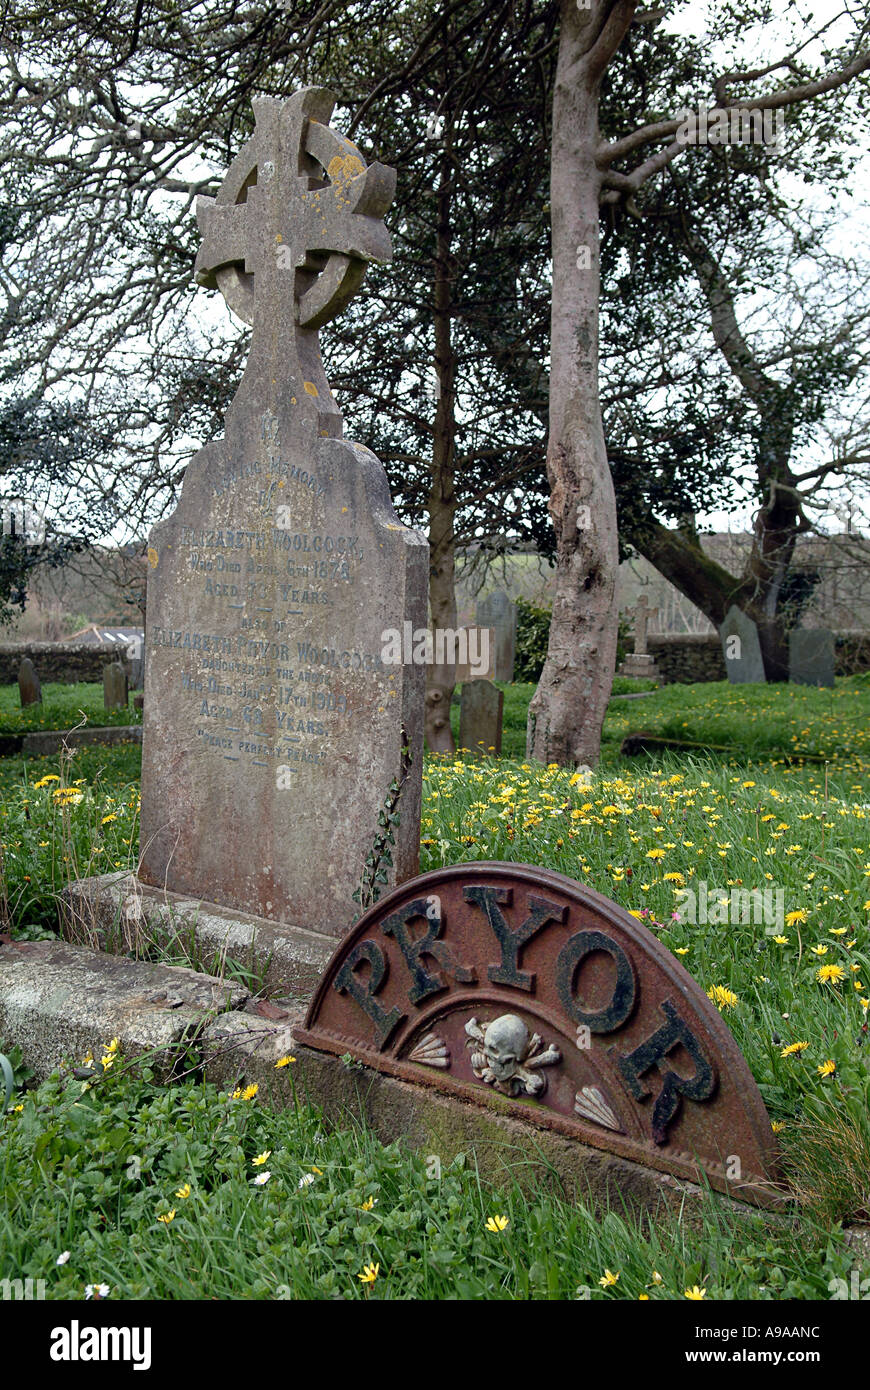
(505, 1056)
(505, 1044)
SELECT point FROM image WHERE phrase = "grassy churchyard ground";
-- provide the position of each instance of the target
(752, 864)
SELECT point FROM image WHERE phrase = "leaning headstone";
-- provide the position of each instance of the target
(639, 663)
(277, 734)
(480, 718)
(29, 688)
(483, 978)
(741, 648)
(497, 611)
(811, 656)
(116, 693)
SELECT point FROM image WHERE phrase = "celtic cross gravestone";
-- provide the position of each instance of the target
(273, 728)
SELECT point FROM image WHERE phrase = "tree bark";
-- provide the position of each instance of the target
(567, 712)
(441, 680)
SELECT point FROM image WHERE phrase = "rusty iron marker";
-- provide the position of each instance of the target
(504, 980)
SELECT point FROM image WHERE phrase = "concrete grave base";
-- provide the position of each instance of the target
(59, 1001)
(115, 912)
(639, 665)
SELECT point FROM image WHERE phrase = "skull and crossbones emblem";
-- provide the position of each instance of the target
(505, 1056)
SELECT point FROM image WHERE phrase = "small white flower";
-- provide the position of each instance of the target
(306, 1179)
(97, 1291)
(261, 1179)
(62, 1259)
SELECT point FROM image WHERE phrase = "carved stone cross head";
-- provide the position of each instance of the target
(288, 238)
(643, 616)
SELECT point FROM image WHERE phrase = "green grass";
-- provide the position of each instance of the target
(641, 831)
(756, 721)
(63, 707)
(90, 1171)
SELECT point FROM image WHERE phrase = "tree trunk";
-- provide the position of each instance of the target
(567, 712)
(441, 680)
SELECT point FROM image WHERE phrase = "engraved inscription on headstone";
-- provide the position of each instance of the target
(480, 718)
(485, 978)
(497, 611)
(741, 648)
(273, 729)
(29, 688)
(811, 656)
(115, 688)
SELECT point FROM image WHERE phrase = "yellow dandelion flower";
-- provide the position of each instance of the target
(793, 1048)
(184, 1191)
(608, 1279)
(827, 1068)
(261, 1158)
(284, 1061)
(722, 997)
(369, 1274)
(167, 1216)
(830, 974)
(696, 1294)
(497, 1224)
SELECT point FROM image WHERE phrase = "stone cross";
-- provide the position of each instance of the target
(642, 615)
(288, 238)
(277, 726)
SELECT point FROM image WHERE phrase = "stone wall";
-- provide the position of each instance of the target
(67, 662)
(689, 657)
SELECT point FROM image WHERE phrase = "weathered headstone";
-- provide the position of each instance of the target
(811, 656)
(480, 718)
(485, 978)
(639, 663)
(135, 654)
(29, 688)
(497, 611)
(273, 729)
(116, 693)
(741, 648)
(479, 646)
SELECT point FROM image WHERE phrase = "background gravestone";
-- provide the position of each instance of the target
(497, 611)
(29, 688)
(116, 692)
(273, 730)
(482, 639)
(480, 718)
(811, 656)
(741, 648)
(136, 657)
(639, 663)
